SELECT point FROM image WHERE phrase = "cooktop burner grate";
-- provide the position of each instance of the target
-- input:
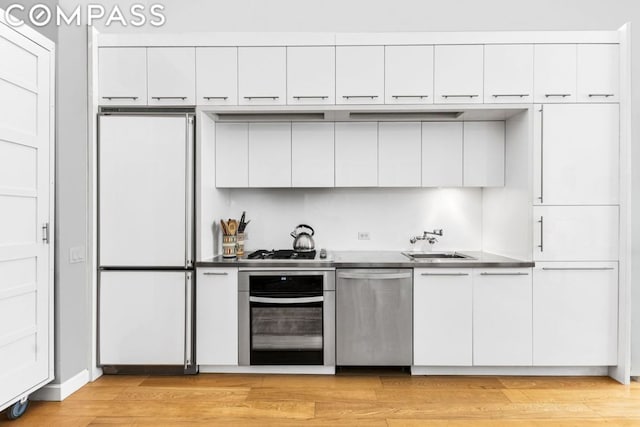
(281, 254)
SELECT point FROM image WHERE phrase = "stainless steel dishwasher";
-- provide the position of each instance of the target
(374, 317)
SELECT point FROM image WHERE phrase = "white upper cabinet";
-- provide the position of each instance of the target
(311, 75)
(262, 75)
(575, 314)
(577, 156)
(399, 145)
(408, 75)
(554, 73)
(459, 74)
(232, 151)
(442, 154)
(217, 75)
(598, 73)
(122, 75)
(356, 154)
(502, 326)
(508, 73)
(359, 74)
(312, 154)
(172, 75)
(269, 155)
(483, 154)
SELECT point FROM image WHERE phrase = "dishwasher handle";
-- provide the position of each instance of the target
(374, 276)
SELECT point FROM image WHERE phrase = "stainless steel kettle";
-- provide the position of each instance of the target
(302, 240)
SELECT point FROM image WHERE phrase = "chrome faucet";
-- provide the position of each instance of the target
(425, 236)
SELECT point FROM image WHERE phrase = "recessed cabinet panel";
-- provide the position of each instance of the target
(122, 75)
(217, 75)
(356, 154)
(508, 73)
(442, 317)
(262, 75)
(442, 154)
(172, 75)
(232, 152)
(399, 145)
(555, 73)
(312, 154)
(269, 155)
(408, 75)
(483, 154)
(575, 314)
(598, 72)
(359, 74)
(311, 75)
(459, 74)
(575, 233)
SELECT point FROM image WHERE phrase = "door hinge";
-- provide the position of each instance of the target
(45, 233)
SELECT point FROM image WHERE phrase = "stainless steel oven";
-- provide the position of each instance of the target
(286, 317)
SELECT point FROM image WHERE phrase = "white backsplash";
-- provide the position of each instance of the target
(390, 216)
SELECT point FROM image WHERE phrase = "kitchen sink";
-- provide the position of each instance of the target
(426, 256)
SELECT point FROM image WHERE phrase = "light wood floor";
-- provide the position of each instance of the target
(364, 399)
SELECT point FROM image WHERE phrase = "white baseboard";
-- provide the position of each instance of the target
(512, 370)
(95, 374)
(59, 392)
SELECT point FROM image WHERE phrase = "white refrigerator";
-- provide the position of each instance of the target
(146, 242)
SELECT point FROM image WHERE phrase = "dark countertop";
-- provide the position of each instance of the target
(373, 259)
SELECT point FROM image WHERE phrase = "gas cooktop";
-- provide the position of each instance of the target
(280, 254)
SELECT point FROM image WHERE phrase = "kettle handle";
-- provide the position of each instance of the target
(295, 234)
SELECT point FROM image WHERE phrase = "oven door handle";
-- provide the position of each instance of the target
(301, 300)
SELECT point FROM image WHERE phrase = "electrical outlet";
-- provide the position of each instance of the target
(76, 254)
(363, 235)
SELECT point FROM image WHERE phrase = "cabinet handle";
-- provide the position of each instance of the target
(541, 245)
(188, 317)
(561, 95)
(311, 97)
(119, 97)
(409, 96)
(459, 96)
(168, 97)
(261, 97)
(359, 96)
(605, 95)
(540, 197)
(504, 274)
(510, 95)
(445, 274)
(577, 268)
(217, 273)
(208, 98)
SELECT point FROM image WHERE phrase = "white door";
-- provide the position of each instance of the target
(442, 154)
(575, 233)
(312, 154)
(142, 317)
(508, 73)
(408, 74)
(216, 76)
(575, 314)
(399, 152)
(483, 154)
(356, 154)
(270, 155)
(311, 75)
(122, 75)
(217, 316)
(502, 334)
(232, 155)
(442, 322)
(26, 205)
(598, 72)
(554, 75)
(143, 194)
(589, 136)
(459, 74)
(262, 75)
(360, 75)
(172, 75)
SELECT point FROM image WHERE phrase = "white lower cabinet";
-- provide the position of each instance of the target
(442, 317)
(217, 316)
(575, 314)
(502, 305)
